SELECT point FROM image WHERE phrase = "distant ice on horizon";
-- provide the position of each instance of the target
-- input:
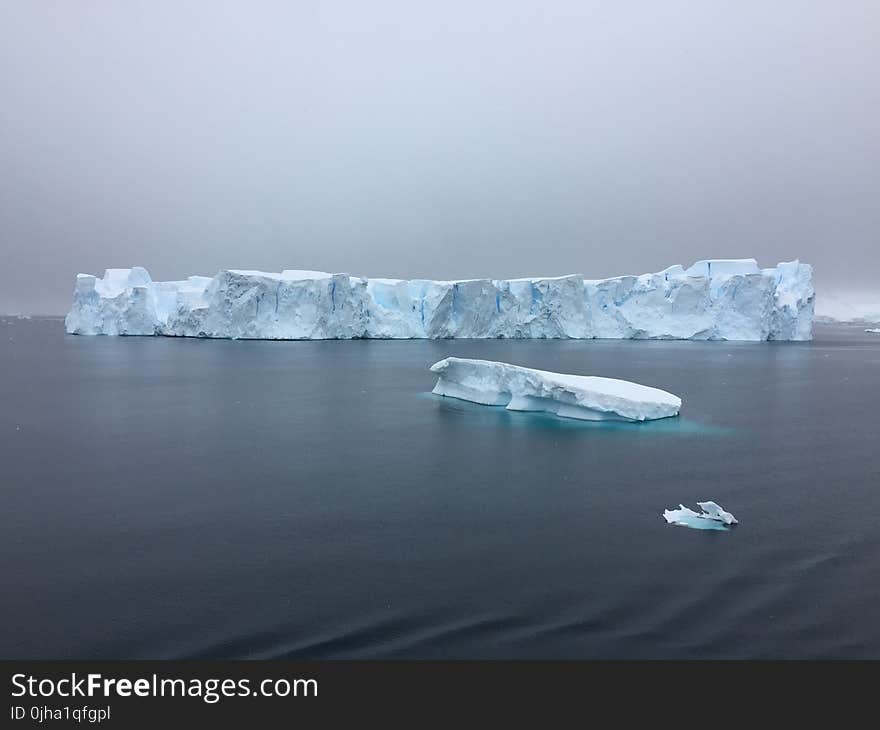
(855, 307)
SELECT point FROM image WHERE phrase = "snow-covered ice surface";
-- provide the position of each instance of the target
(569, 396)
(713, 517)
(711, 300)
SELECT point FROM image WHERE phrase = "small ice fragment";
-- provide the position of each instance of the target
(716, 512)
(874, 330)
(713, 517)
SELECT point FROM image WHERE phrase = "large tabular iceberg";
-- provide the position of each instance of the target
(711, 300)
(586, 397)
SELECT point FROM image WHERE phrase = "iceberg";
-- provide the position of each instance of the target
(713, 517)
(569, 396)
(711, 300)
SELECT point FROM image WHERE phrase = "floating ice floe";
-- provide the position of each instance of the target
(713, 517)
(569, 396)
(875, 330)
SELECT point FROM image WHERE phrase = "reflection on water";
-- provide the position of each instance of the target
(500, 417)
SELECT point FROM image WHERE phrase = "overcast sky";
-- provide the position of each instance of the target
(435, 139)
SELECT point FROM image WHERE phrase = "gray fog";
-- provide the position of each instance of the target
(440, 140)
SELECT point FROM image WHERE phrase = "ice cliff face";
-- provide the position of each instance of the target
(712, 300)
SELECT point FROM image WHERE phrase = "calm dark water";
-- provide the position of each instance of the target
(189, 498)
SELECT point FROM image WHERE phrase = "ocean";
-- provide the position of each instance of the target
(183, 498)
